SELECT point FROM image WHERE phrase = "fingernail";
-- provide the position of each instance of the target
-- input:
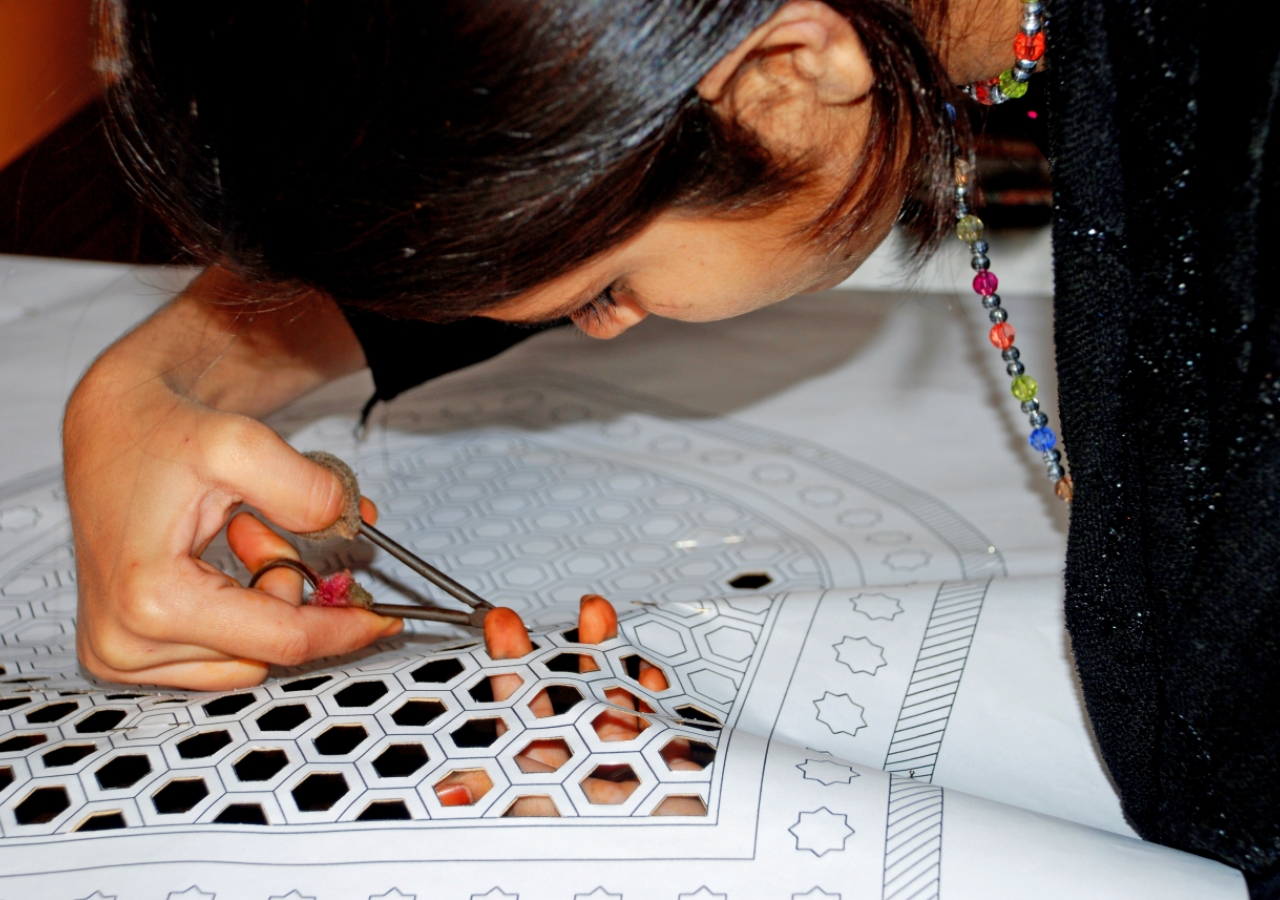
(396, 626)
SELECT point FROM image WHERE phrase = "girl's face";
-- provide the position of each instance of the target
(695, 269)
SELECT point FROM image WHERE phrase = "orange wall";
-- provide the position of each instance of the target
(46, 72)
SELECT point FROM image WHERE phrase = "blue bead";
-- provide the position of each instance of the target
(1043, 439)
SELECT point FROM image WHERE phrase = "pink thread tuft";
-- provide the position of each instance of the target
(334, 590)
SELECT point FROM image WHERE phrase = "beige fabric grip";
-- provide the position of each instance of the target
(348, 524)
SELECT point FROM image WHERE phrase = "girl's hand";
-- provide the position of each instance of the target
(159, 452)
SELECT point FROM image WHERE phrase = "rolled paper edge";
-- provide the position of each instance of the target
(348, 524)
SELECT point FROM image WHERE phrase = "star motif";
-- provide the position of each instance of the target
(827, 771)
(815, 893)
(598, 894)
(877, 606)
(860, 654)
(839, 713)
(495, 893)
(394, 894)
(703, 893)
(821, 831)
(191, 893)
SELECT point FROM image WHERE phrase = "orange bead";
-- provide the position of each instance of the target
(1029, 47)
(1002, 335)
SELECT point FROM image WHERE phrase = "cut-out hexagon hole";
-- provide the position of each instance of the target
(12, 702)
(571, 635)
(482, 690)
(103, 821)
(750, 581)
(476, 733)
(438, 671)
(697, 718)
(545, 755)
(418, 713)
(617, 725)
(634, 663)
(124, 696)
(6, 777)
(305, 684)
(241, 814)
(320, 791)
(101, 721)
(463, 787)
(67, 756)
(560, 698)
(284, 718)
(42, 805)
(360, 694)
(571, 662)
(228, 705)
(535, 806)
(51, 713)
(123, 772)
(687, 755)
(340, 739)
(21, 742)
(680, 805)
(179, 796)
(400, 760)
(260, 765)
(384, 811)
(610, 785)
(200, 746)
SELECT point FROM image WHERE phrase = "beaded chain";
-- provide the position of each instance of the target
(969, 228)
(1028, 47)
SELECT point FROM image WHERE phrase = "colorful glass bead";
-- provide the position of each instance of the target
(1028, 46)
(1024, 387)
(1010, 86)
(985, 283)
(1002, 335)
(969, 229)
(1043, 439)
(1064, 488)
(982, 92)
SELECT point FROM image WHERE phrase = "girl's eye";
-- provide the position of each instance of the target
(596, 313)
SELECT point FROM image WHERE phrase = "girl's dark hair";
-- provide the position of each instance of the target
(431, 159)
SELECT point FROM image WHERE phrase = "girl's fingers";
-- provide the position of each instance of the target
(652, 678)
(505, 636)
(255, 545)
(597, 620)
(533, 807)
(368, 511)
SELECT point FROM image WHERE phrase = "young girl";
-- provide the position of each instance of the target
(416, 186)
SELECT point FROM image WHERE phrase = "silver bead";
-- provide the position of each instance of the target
(1010, 355)
(1055, 473)
(1031, 27)
(997, 315)
(991, 301)
(1037, 419)
(1015, 369)
(962, 209)
(980, 262)
(1028, 65)
(1032, 10)
(980, 246)
(1022, 76)
(1030, 406)
(1052, 457)
(961, 190)
(995, 95)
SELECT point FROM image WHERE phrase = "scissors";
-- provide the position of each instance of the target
(474, 619)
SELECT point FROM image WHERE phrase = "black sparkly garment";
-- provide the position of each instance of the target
(1164, 145)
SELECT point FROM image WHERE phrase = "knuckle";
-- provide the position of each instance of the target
(230, 447)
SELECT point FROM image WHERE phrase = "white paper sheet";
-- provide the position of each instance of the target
(900, 716)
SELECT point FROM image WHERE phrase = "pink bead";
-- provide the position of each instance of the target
(985, 283)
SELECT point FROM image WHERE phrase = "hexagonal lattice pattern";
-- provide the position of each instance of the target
(329, 748)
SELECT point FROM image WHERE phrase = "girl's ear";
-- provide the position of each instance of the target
(806, 56)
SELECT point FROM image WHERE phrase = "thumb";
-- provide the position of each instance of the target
(255, 463)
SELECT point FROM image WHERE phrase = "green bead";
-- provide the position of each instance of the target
(1024, 387)
(1011, 88)
(969, 229)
